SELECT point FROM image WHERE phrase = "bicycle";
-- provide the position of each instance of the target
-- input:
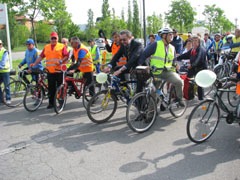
(35, 94)
(17, 89)
(142, 109)
(205, 117)
(103, 104)
(79, 88)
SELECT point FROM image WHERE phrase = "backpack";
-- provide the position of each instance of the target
(188, 88)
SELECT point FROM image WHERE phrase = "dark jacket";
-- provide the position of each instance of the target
(198, 61)
(177, 42)
(135, 50)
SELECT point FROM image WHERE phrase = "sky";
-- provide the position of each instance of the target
(79, 8)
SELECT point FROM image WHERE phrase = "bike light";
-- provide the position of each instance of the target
(64, 67)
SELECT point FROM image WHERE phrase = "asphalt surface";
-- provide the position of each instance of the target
(45, 146)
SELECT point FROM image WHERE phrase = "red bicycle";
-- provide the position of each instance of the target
(78, 88)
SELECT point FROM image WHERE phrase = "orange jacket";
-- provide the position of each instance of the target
(86, 64)
(122, 60)
(52, 56)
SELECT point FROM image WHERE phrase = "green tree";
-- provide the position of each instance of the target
(90, 31)
(181, 15)
(105, 9)
(74, 31)
(154, 23)
(123, 15)
(42, 31)
(136, 27)
(130, 20)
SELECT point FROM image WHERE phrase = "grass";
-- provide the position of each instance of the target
(24, 47)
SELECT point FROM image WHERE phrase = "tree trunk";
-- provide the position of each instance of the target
(34, 33)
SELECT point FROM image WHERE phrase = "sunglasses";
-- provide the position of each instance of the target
(124, 39)
(28, 44)
(53, 38)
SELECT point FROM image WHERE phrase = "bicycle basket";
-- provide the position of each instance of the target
(142, 73)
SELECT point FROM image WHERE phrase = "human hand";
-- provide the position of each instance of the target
(116, 73)
(20, 66)
(107, 69)
(29, 71)
(31, 65)
(189, 66)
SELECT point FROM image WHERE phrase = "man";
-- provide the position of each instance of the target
(207, 41)
(4, 73)
(131, 49)
(235, 45)
(69, 49)
(189, 37)
(96, 55)
(115, 47)
(177, 42)
(31, 55)
(197, 56)
(163, 54)
(55, 54)
(217, 44)
(84, 61)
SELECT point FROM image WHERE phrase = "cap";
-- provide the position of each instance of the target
(217, 34)
(0, 41)
(90, 40)
(30, 41)
(53, 34)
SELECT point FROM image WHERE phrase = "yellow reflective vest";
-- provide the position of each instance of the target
(160, 59)
(7, 66)
(236, 40)
(93, 51)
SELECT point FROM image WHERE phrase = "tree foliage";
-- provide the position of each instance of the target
(154, 23)
(136, 26)
(181, 15)
(105, 9)
(130, 19)
(42, 31)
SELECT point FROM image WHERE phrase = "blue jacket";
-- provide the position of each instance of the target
(31, 57)
(220, 44)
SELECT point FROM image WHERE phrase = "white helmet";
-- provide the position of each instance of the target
(165, 30)
(230, 36)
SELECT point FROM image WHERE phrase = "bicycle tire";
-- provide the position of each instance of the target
(17, 91)
(60, 98)
(145, 119)
(33, 98)
(175, 109)
(92, 109)
(202, 127)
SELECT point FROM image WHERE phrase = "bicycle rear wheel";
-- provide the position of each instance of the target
(203, 121)
(33, 98)
(17, 90)
(175, 109)
(101, 107)
(60, 98)
(141, 112)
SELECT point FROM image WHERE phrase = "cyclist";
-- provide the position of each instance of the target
(31, 55)
(235, 45)
(131, 49)
(69, 49)
(115, 47)
(163, 54)
(55, 54)
(217, 44)
(96, 55)
(84, 61)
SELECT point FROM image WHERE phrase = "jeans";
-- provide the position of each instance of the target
(5, 78)
(98, 67)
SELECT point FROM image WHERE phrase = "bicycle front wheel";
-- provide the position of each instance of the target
(13, 93)
(33, 98)
(101, 107)
(203, 121)
(175, 109)
(141, 112)
(60, 98)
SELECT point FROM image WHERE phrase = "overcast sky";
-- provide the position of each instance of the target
(79, 8)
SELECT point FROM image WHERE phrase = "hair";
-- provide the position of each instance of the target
(206, 34)
(66, 39)
(196, 37)
(115, 33)
(127, 32)
(76, 39)
(152, 35)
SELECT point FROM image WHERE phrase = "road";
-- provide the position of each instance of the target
(18, 55)
(45, 146)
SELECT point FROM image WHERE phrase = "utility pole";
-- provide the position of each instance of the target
(144, 24)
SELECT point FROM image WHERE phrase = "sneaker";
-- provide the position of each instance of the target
(8, 102)
(50, 106)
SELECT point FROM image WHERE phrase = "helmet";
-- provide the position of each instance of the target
(230, 36)
(165, 30)
(218, 34)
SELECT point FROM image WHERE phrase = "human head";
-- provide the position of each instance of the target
(1, 44)
(217, 36)
(30, 44)
(189, 44)
(125, 37)
(189, 34)
(75, 41)
(229, 38)
(175, 32)
(206, 36)
(151, 38)
(64, 41)
(54, 38)
(166, 35)
(116, 37)
(91, 42)
(196, 41)
(237, 33)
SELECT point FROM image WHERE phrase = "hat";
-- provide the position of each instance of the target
(217, 34)
(90, 40)
(53, 34)
(30, 41)
(0, 41)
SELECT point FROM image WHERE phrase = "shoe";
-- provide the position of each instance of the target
(50, 106)
(180, 102)
(8, 102)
